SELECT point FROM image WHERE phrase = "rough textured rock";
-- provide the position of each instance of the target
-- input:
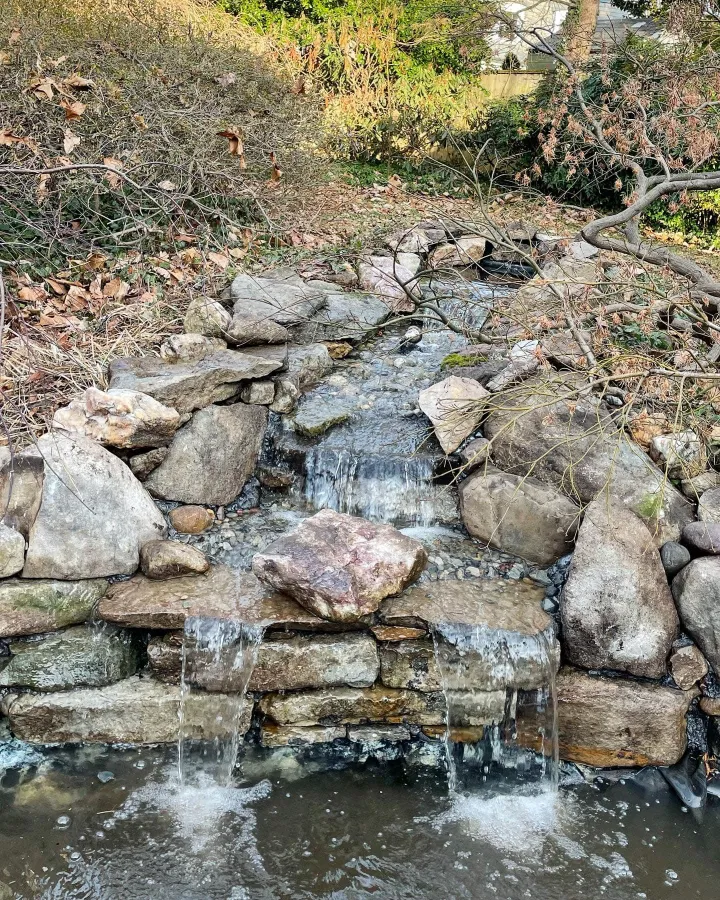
(563, 349)
(703, 536)
(142, 464)
(694, 488)
(519, 515)
(316, 415)
(697, 594)
(170, 559)
(189, 347)
(245, 330)
(222, 593)
(12, 551)
(477, 625)
(464, 251)
(282, 663)
(688, 666)
(523, 362)
(134, 711)
(287, 394)
(418, 239)
(613, 722)
(397, 633)
(475, 454)
(354, 706)
(340, 567)
(125, 419)
(410, 665)
(211, 457)
(36, 607)
(94, 516)
(273, 736)
(345, 317)
(680, 455)
(281, 297)
(572, 442)
(78, 657)
(191, 519)
(674, 557)
(206, 317)
(617, 609)
(454, 406)
(709, 506)
(258, 392)
(308, 364)
(21, 483)
(388, 278)
(187, 386)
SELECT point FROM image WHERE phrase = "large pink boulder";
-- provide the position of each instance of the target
(341, 567)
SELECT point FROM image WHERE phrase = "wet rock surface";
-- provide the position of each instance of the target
(77, 657)
(134, 711)
(617, 609)
(341, 567)
(171, 559)
(616, 722)
(39, 606)
(94, 516)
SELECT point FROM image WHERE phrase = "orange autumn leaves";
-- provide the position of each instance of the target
(236, 147)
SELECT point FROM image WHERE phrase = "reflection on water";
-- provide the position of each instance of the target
(335, 830)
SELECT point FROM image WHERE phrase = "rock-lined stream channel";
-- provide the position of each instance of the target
(406, 750)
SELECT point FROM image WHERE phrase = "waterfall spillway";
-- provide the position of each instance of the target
(218, 656)
(491, 678)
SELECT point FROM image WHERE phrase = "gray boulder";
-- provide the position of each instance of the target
(206, 317)
(617, 609)
(340, 567)
(545, 428)
(245, 330)
(674, 557)
(142, 464)
(94, 516)
(518, 515)
(194, 384)
(345, 317)
(36, 607)
(390, 278)
(316, 415)
(211, 457)
(12, 551)
(78, 657)
(688, 666)
(454, 406)
(709, 506)
(21, 481)
(703, 537)
(279, 297)
(697, 594)
(189, 347)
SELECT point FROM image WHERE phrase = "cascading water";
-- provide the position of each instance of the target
(490, 677)
(218, 656)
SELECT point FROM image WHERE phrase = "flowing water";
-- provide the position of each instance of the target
(218, 655)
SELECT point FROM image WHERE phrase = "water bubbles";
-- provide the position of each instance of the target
(63, 821)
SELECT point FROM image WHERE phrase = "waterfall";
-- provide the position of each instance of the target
(218, 656)
(392, 489)
(488, 676)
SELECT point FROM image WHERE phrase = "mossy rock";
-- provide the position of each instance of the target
(456, 360)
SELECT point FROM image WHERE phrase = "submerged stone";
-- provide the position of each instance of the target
(273, 736)
(78, 657)
(134, 711)
(36, 607)
(340, 566)
(317, 415)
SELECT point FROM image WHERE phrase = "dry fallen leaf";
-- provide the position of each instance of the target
(140, 121)
(78, 82)
(276, 172)
(94, 262)
(112, 179)
(43, 88)
(238, 252)
(71, 141)
(220, 259)
(7, 139)
(31, 293)
(73, 109)
(57, 287)
(116, 289)
(77, 298)
(300, 85)
(42, 190)
(167, 185)
(15, 36)
(5, 57)
(234, 135)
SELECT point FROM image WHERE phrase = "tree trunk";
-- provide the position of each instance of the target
(580, 27)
